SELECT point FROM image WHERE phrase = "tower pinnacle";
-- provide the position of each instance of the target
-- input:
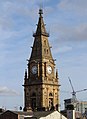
(41, 30)
(40, 11)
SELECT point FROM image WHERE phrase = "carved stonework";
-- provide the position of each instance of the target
(41, 87)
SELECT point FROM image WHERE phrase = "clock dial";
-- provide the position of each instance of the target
(34, 69)
(49, 70)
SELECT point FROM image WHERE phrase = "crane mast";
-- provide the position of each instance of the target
(73, 91)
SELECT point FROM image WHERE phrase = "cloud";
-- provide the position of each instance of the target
(6, 91)
(70, 33)
(77, 6)
(77, 33)
(75, 61)
(62, 49)
(21, 8)
(81, 32)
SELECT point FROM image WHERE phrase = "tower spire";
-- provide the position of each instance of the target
(41, 30)
(40, 76)
(41, 46)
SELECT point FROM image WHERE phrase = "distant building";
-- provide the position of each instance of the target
(70, 103)
(85, 114)
(79, 106)
(82, 106)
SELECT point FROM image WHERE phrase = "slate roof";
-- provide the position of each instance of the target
(37, 114)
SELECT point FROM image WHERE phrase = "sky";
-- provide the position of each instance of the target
(66, 21)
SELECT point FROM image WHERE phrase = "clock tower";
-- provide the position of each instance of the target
(41, 82)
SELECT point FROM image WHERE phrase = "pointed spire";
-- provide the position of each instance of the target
(41, 30)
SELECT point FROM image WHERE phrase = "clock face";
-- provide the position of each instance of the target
(34, 69)
(49, 69)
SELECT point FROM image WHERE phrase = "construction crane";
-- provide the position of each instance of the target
(73, 91)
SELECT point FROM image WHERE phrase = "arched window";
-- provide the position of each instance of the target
(47, 51)
(33, 94)
(50, 94)
(44, 50)
(44, 42)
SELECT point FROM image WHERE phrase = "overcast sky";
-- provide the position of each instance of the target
(66, 21)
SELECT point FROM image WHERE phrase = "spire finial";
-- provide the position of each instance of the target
(40, 11)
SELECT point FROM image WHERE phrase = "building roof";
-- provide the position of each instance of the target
(37, 114)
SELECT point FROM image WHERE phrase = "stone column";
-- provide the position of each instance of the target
(38, 72)
(42, 71)
(47, 97)
(53, 97)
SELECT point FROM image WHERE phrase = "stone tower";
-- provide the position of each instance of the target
(41, 86)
